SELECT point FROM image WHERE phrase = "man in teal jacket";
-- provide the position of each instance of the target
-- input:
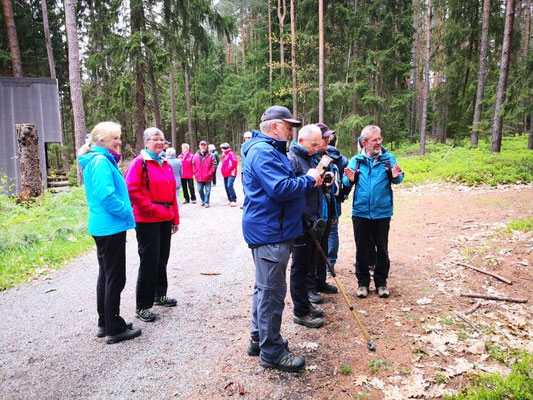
(372, 171)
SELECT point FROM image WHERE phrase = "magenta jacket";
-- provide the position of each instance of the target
(162, 185)
(203, 167)
(229, 164)
(187, 165)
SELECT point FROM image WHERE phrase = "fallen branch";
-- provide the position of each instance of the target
(209, 273)
(461, 316)
(483, 271)
(493, 297)
(467, 312)
(448, 152)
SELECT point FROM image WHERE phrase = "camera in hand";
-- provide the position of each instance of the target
(328, 179)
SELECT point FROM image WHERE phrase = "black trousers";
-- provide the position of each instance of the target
(154, 248)
(303, 253)
(318, 272)
(377, 231)
(188, 189)
(111, 253)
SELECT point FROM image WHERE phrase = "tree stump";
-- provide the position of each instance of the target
(31, 181)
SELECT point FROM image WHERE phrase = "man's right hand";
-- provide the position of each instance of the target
(350, 174)
(316, 175)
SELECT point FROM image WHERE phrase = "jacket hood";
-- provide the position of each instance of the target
(333, 152)
(299, 150)
(86, 158)
(257, 137)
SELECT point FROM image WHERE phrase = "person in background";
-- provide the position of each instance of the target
(204, 169)
(152, 188)
(229, 172)
(110, 216)
(177, 168)
(216, 160)
(187, 176)
(247, 136)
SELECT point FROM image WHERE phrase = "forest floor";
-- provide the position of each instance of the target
(198, 349)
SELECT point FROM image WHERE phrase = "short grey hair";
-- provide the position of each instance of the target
(247, 134)
(153, 131)
(306, 131)
(367, 130)
(170, 152)
(265, 125)
(186, 145)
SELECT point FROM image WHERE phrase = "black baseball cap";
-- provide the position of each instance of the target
(326, 132)
(280, 112)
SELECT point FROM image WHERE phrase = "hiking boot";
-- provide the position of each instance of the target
(308, 321)
(165, 301)
(254, 350)
(129, 333)
(100, 333)
(315, 312)
(145, 314)
(203, 204)
(325, 287)
(288, 363)
(314, 297)
(383, 291)
(233, 204)
(362, 292)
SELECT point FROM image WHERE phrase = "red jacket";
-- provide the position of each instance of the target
(203, 168)
(187, 165)
(229, 164)
(162, 185)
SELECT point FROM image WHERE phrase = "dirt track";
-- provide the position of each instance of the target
(197, 350)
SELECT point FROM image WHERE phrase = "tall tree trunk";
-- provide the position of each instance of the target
(155, 97)
(293, 64)
(425, 93)
(525, 51)
(173, 109)
(74, 71)
(13, 41)
(270, 50)
(414, 73)
(282, 12)
(49, 51)
(482, 74)
(188, 101)
(243, 45)
(320, 60)
(137, 15)
(530, 140)
(497, 123)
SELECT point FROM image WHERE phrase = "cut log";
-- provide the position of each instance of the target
(483, 271)
(31, 181)
(493, 297)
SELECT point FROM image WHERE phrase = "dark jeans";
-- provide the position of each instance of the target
(365, 232)
(215, 176)
(153, 241)
(318, 273)
(188, 189)
(111, 253)
(228, 185)
(303, 253)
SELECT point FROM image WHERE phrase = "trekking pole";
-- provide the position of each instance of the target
(369, 341)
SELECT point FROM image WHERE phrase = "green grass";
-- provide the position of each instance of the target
(517, 385)
(525, 225)
(346, 369)
(469, 166)
(42, 235)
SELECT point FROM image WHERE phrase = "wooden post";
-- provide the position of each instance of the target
(31, 182)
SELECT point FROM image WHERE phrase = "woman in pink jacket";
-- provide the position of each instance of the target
(187, 181)
(152, 188)
(204, 169)
(229, 172)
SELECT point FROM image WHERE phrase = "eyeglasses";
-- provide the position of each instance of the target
(376, 140)
(157, 141)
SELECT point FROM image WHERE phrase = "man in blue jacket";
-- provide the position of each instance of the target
(373, 170)
(272, 219)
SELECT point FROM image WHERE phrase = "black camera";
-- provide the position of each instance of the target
(328, 179)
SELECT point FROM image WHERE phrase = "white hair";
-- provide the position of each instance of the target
(247, 134)
(186, 145)
(212, 147)
(306, 131)
(170, 152)
(153, 131)
(367, 130)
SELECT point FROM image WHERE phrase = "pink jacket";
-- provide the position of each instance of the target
(229, 164)
(162, 185)
(203, 168)
(187, 165)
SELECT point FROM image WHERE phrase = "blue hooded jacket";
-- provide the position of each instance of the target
(373, 198)
(109, 203)
(274, 196)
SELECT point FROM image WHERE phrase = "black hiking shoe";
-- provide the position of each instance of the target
(314, 297)
(315, 312)
(144, 314)
(325, 287)
(254, 350)
(165, 301)
(288, 363)
(308, 321)
(101, 330)
(129, 333)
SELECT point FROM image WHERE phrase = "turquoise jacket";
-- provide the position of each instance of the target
(110, 209)
(373, 198)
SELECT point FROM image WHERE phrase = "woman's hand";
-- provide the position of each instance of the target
(175, 228)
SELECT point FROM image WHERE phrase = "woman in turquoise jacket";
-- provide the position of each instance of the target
(110, 216)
